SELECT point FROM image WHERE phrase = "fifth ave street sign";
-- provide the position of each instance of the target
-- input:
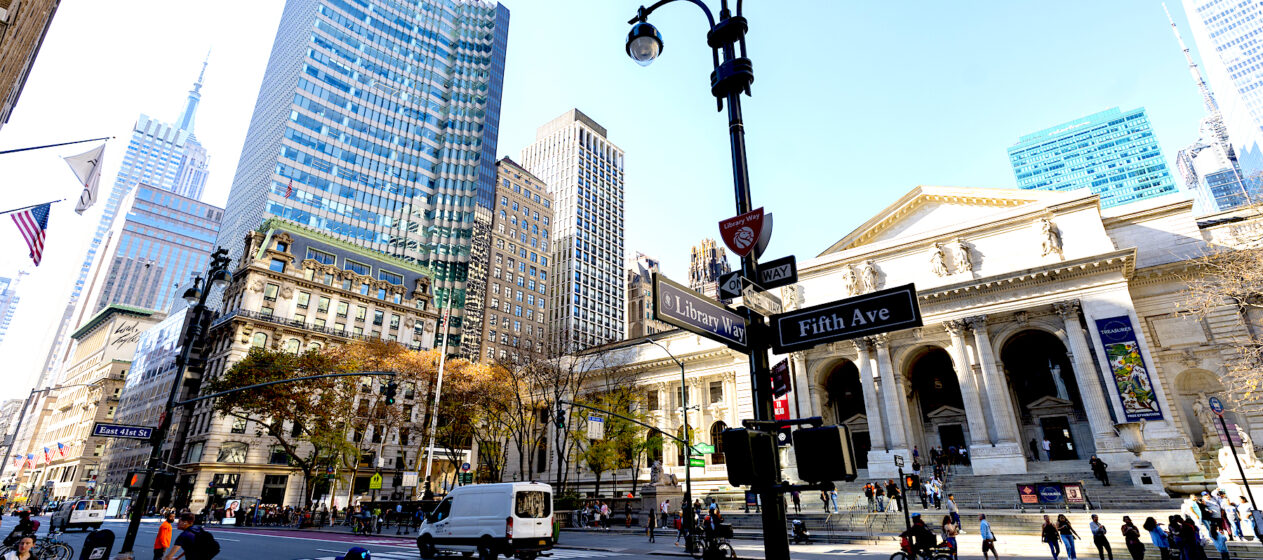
(878, 312)
(120, 431)
(691, 311)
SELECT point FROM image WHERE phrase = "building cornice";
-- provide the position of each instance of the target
(1121, 261)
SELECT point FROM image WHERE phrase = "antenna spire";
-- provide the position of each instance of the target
(1207, 97)
(195, 95)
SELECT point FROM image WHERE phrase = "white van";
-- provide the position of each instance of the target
(510, 519)
(82, 514)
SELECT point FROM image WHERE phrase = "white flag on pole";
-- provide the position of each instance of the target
(87, 167)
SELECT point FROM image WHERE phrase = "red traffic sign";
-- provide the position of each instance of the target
(741, 234)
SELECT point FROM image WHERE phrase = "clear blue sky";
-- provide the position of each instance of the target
(855, 103)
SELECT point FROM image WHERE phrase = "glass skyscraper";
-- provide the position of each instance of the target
(1113, 153)
(166, 156)
(9, 299)
(376, 122)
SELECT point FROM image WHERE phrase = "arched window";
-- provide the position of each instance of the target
(680, 459)
(260, 340)
(232, 452)
(292, 345)
(313, 346)
(716, 429)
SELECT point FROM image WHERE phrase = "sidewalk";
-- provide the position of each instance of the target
(411, 537)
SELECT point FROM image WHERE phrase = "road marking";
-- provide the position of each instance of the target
(412, 555)
(270, 536)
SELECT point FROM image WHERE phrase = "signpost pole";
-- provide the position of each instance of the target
(1219, 410)
(690, 520)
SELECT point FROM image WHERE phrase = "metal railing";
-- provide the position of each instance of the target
(279, 320)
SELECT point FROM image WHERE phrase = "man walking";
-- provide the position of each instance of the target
(868, 493)
(1047, 448)
(1098, 470)
(988, 537)
(163, 541)
(1034, 447)
(194, 542)
(1098, 538)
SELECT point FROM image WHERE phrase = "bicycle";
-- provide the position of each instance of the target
(46, 548)
(937, 552)
(711, 544)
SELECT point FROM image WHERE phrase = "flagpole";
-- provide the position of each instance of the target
(2, 152)
(31, 206)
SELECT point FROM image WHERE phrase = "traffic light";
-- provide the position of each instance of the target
(561, 418)
(163, 481)
(824, 454)
(751, 457)
(135, 480)
(391, 389)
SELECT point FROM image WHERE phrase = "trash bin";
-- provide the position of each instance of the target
(97, 545)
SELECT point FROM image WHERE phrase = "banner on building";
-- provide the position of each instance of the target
(1131, 376)
(1026, 494)
(1074, 493)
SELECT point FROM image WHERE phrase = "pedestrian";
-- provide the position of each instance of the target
(1231, 519)
(1191, 541)
(1098, 470)
(1131, 537)
(679, 527)
(1248, 530)
(652, 523)
(868, 493)
(988, 537)
(1068, 535)
(916, 454)
(1034, 447)
(163, 541)
(1221, 543)
(833, 499)
(194, 542)
(824, 497)
(949, 534)
(1048, 534)
(880, 493)
(798, 501)
(22, 550)
(1098, 538)
(627, 514)
(1158, 537)
(1207, 514)
(605, 515)
(1215, 511)
(953, 511)
(665, 510)
(892, 496)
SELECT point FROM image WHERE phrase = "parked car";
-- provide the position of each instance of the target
(78, 514)
(510, 519)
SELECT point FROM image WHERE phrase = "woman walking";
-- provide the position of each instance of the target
(950, 530)
(1158, 537)
(1049, 535)
(651, 523)
(1068, 535)
(1131, 536)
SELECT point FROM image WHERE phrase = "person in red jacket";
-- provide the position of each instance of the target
(163, 541)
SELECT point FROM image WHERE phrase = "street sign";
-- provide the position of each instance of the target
(730, 285)
(121, 431)
(780, 378)
(465, 478)
(877, 312)
(761, 302)
(375, 483)
(1217, 406)
(464, 467)
(899, 461)
(703, 448)
(596, 427)
(780, 411)
(777, 273)
(410, 479)
(765, 236)
(696, 462)
(741, 233)
(691, 311)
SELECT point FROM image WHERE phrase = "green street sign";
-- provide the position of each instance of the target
(466, 478)
(694, 462)
(703, 448)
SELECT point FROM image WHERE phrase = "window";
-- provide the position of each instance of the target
(716, 439)
(238, 425)
(278, 456)
(364, 289)
(360, 310)
(293, 345)
(321, 256)
(304, 299)
(716, 391)
(394, 321)
(269, 291)
(328, 279)
(277, 265)
(357, 267)
(265, 311)
(232, 452)
(195, 453)
(323, 306)
(282, 246)
(347, 284)
(378, 317)
(342, 308)
(651, 400)
(390, 277)
(300, 317)
(381, 294)
(260, 340)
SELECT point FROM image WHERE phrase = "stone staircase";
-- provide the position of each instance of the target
(999, 492)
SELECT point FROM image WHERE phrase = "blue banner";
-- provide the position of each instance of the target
(1127, 365)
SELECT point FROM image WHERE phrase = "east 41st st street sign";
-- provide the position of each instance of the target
(869, 314)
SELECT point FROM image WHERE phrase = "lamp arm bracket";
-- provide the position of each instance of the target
(644, 12)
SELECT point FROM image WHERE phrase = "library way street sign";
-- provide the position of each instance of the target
(691, 311)
(869, 314)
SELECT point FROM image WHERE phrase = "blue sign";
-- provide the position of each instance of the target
(1217, 406)
(1127, 366)
(691, 311)
(120, 431)
(1050, 493)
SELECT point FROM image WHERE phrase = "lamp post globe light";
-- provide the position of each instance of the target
(733, 73)
(196, 297)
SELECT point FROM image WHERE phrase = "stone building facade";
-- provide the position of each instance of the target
(1044, 316)
(299, 289)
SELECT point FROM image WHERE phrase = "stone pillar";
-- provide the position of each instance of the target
(1090, 391)
(882, 464)
(876, 433)
(968, 389)
(1002, 413)
(801, 393)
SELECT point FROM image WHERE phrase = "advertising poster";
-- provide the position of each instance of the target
(1026, 494)
(1050, 493)
(1131, 376)
(1074, 493)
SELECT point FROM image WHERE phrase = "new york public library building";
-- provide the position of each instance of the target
(1044, 317)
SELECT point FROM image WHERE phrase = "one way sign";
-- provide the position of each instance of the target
(777, 273)
(730, 285)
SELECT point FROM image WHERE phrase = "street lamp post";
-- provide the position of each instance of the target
(689, 517)
(731, 77)
(218, 276)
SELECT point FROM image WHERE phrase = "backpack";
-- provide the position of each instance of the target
(205, 544)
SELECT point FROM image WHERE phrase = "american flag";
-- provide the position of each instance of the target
(289, 190)
(32, 222)
(61, 449)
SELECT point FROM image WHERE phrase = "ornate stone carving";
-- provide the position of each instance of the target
(918, 333)
(938, 262)
(964, 256)
(977, 322)
(793, 295)
(256, 286)
(287, 292)
(1068, 310)
(850, 282)
(868, 276)
(882, 339)
(1023, 318)
(862, 344)
(955, 327)
(1050, 238)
